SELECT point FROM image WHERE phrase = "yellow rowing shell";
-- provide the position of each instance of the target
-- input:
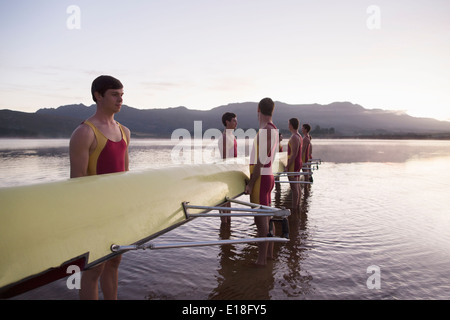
(45, 228)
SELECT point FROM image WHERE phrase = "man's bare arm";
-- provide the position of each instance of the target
(79, 148)
(127, 159)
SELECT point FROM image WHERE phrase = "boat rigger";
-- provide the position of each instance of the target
(253, 211)
(313, 164)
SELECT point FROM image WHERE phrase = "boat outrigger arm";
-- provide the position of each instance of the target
(291, 174)
(255, 210)
(313, 164)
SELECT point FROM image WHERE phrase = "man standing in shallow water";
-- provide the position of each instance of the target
(294, 163)
(227, 142)
(228, 148)
(261, 176)
(100, 146)
(306, 150)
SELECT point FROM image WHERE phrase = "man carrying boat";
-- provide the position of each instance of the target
(306, 150)
(261, 176)
(227, 142)
(294, 163)
(100, 146)
(228, 147)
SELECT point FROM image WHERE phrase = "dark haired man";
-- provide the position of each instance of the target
(261, 176)
(294, 163)
(306, 150)
(227, 142)
(98, 146)
(228, 148)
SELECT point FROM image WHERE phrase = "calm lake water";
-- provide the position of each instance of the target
(374, 225)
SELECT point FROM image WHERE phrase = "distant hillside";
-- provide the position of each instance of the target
(34, 125)
(339, 119)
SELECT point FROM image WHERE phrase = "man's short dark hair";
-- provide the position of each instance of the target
(227, 116)
(104, 83)
(294, 123)
(307, 127)
(266, 106)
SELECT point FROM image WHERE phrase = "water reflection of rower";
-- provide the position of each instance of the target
(296, 281)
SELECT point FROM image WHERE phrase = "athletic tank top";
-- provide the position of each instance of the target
(230, 149)
(297, 165)
(108, 156)
(267, 163)
(264, 185)
(306, 155)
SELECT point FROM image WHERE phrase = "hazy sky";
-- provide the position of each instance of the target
(205, 53)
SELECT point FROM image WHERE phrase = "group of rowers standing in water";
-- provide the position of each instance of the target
(299, 153)
(100, 145)
(262, 180)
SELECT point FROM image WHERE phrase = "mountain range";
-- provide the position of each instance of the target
(338, 119)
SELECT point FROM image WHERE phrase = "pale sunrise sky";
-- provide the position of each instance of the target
(205, 53)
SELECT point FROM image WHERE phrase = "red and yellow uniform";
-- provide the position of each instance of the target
(262, 189)
(306, 154)
(228, 145)
(108, 156)
(297, 164)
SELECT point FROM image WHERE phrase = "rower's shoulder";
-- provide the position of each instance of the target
(82, 133)
(83, 129)
(270, 125)
(126, 131)
(295, 139)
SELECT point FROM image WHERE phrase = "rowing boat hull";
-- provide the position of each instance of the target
(46, 228)
(49, 226)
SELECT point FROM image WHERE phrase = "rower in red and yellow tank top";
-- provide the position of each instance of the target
(306, 154)
(263, 186)
(108, 156)
(297, 164)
